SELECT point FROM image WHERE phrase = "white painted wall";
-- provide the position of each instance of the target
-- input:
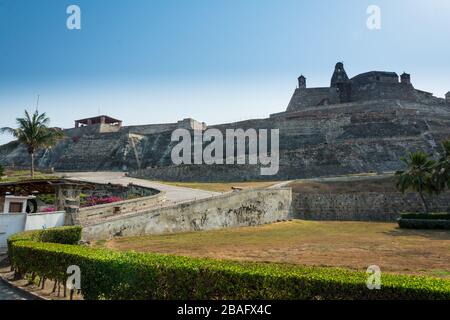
(18, 222)
(10, 224)
(37, 221)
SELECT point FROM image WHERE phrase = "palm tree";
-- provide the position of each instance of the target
(441, 175)
(34, 133)
(417, 176)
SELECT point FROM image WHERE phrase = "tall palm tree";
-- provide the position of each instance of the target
(441, 175)
(34, 133)
(417, 176)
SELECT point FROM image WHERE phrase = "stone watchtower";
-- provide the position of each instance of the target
(405, 78)
(341, 82)
(447, 97)
(301, 82)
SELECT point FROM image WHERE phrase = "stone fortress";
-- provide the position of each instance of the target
(367, 86)
(356, 125)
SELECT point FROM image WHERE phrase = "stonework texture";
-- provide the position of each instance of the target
(362, 206)
(360, 124)
(236, 209)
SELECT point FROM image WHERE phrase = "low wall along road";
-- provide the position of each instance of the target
(235, 209)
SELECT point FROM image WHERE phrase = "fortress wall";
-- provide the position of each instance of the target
(382, 90)
(151, 128)
(201, 173)
(148, 129)
(92, 153)
(80, 131)
(312, 97)
(235, 209)
(362, 206)
(107, 128)
(247, 124)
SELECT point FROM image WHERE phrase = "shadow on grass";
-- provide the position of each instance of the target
(428, 234)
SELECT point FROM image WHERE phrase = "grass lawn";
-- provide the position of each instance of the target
(222, 187)
(20, 175)
(354, 245)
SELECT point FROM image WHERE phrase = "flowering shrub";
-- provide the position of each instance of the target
(94, 201)
(48, 209)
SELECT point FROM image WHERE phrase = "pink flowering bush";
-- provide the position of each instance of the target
(48, 209)
(95, 201)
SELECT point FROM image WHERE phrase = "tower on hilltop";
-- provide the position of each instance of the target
(341, 82)
(302, 82)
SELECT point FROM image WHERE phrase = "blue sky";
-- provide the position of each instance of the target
(151, 61)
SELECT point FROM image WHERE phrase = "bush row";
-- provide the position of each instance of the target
(424, 224)
(61, 235)
(429, 216)
(107, 274)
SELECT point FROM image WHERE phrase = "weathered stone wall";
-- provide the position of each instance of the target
(314, 142)
(331, 140)
(312, 97)
(382, 90)
(202, 173)
(236, 209)
(117, 190)
(93, 214)
(151, 128)
(362, 206)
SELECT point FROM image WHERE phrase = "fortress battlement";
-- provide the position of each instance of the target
(368, 86)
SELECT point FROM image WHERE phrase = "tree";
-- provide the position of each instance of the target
(34, 133)
(417, 176)
(441, 174)
(2, 171)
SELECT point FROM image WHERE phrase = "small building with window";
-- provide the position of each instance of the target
(98, 120)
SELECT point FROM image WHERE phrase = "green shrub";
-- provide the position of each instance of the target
(424, 224)
(107, 274)
(2, 171)
(62, 235)
(430, 216)
(47, 198)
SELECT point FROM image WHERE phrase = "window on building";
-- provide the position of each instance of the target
(15, 207)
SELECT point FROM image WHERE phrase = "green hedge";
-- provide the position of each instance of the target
(107, 274)
(430, 216)
(62, 235)
(424, 224)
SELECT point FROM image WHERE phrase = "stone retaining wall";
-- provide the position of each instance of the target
(89, 214)
(362, 206)
(236, 209)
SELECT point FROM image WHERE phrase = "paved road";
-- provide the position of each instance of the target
(173, 194)
(7, 293)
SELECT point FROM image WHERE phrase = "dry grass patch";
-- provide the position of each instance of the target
(21, 175)
(354, 245)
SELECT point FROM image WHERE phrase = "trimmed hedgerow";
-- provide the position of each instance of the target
(424, 221)
(426, 216)
(62, 235)
(107, 274)
(424, 224)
